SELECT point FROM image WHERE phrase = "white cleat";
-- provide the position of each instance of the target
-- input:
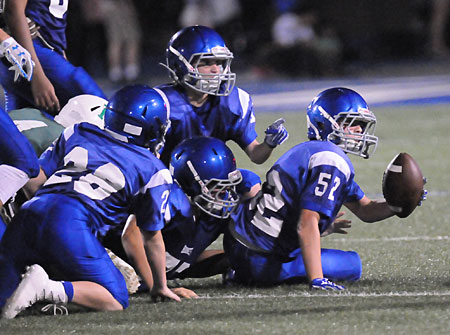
(30, 290)
(127, 271)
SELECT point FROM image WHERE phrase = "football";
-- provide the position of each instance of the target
(403, 185)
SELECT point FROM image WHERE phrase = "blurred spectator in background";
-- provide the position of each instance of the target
(210, 13)
(123, 34)
(224, 16)
(303, 44)
(117, 22)
(438, 23)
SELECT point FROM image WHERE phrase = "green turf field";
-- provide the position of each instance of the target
(404, 289)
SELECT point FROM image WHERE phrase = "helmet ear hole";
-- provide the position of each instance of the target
(321, 126)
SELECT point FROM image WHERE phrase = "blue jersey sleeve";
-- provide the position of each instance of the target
(243, 130)
(249, 179)
(151, 205)
(355, 193)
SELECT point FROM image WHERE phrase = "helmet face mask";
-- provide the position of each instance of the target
(218, 197)
(194, 46)
(341, 116)
(155, 145)
(205, 169)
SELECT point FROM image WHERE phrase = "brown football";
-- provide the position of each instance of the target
(403, 184)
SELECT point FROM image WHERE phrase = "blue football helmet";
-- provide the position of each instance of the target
(333, 114)
(138, 114)
(193, 45)
(205, 168)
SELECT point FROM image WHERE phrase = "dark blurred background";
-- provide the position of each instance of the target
(335, 38)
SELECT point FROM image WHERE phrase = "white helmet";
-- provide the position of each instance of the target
(83, 108)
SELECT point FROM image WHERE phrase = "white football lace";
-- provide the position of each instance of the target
(55, 309)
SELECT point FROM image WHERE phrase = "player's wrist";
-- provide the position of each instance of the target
(269, 143)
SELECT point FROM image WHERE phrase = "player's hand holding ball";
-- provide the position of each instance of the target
(403, 185)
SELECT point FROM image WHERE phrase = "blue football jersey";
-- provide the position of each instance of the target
(186, 236)
(226, 117)
(51, 16)
(111, 178)
(314, 175)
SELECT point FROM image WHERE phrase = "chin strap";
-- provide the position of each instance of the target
(197, 177)
(172, 72)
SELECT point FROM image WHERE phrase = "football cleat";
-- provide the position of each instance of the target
(127, 271)
(325, 284)
(31, 289)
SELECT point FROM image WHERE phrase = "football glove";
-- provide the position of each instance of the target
(325, 284)
(276, 134)
(424, 193)
(19, 57)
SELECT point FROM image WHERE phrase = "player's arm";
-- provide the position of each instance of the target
(309, 237)
(3, 35)
(134, 248)
(369, 210)
(258, 152)
(156, 255)
(41, 87)
(34, 184)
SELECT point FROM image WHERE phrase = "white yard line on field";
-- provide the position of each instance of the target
(344, 294)
(377, 92)
(394, 239)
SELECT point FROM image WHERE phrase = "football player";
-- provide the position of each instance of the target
(275, 237)
(39, 26)
(94, 179)
(208, 187)
(18, 162)
(40, 131)
(203, 97)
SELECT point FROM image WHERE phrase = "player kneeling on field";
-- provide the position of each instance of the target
(275, 237)
(94, 179)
